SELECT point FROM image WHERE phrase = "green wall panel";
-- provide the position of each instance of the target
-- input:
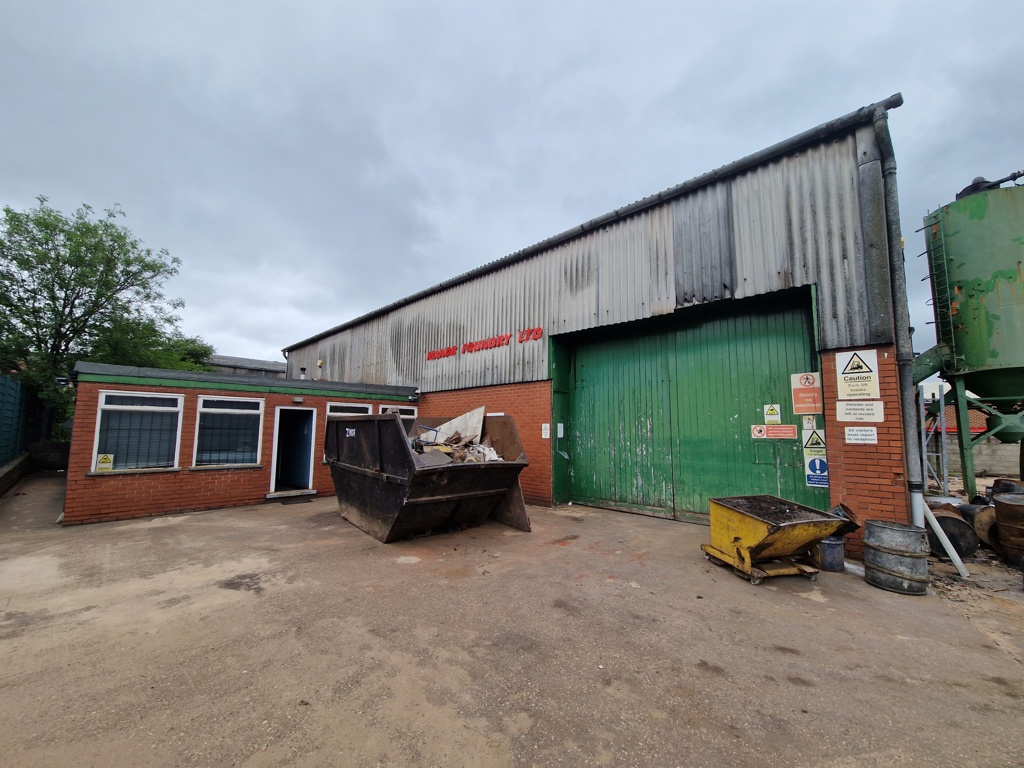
(661, 422)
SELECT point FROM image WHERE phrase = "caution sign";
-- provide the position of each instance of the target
(105, 462)
(773, 414)
(815, 458)
(857, 375)
(806, 389)
(814, 442)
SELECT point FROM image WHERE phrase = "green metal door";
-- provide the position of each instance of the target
(662, 422)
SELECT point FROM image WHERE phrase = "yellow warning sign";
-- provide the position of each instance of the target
(813, 439)
(857, 374)
(773, 414)
(856, 364)
(814, 444)
(104, 462)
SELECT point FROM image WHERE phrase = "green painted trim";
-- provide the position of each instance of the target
(814, 322)
(187, 384)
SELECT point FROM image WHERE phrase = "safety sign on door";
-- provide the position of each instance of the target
(806, 388)
(817, 472)
(815, 458)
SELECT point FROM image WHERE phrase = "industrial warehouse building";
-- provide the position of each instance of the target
(736, 334)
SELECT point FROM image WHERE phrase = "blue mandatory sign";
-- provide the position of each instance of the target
(818, 466)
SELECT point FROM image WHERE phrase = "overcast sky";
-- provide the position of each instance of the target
(311, 161)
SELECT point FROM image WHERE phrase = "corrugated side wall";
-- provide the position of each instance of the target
(12, 419)
(814, 217)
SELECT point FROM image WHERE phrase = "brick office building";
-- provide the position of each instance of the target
(736, 334)
(150, 442)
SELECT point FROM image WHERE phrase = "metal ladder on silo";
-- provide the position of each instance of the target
(939, 277)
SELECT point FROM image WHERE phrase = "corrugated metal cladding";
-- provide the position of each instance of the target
(796, 220)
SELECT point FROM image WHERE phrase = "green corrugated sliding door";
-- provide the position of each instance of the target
(661, 422)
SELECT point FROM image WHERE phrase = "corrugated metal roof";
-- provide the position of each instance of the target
(249, 363)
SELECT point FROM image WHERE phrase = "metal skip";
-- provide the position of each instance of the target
(392, 492)
(761, 536)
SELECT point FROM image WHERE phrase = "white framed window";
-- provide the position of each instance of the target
(229, 430)
(407, 413)
(137, 430)
(349, 409)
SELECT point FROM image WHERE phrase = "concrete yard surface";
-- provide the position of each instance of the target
(281, 635)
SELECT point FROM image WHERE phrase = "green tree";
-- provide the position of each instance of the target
(142, 342)
(72, 283)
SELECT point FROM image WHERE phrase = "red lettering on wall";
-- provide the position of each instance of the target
(531, 334)
(501, 340)
(437, 354)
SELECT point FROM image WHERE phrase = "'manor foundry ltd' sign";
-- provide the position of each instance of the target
(502, 340)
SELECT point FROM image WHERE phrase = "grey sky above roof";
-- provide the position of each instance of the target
(312, 162)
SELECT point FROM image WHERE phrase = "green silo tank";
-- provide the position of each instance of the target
(975, 257)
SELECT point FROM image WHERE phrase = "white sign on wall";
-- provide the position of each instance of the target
(860, 410)
(857, 374)
(862, 435)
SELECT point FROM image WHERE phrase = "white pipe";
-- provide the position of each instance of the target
(917, 508)
(944, 539)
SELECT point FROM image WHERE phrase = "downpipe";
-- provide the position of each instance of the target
(919, 511)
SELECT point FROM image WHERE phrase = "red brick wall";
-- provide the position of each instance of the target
(96, 497)
(529, 405)
(870, 479)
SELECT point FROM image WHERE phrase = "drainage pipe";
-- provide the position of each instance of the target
(901, 312)
(904, 345)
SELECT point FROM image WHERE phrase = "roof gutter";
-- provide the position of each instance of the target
(862, 116)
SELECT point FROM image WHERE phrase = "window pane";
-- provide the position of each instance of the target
(401, 410)
(406, 413)
(151, 402)
(139, 439)
(340, 409)
(231, 405)
(228, 438)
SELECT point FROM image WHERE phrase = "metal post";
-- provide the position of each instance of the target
(942, 439)
(963, 435)
(924, 434)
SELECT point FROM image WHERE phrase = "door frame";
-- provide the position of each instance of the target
(309, 490)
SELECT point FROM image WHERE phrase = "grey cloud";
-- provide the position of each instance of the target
(311, 162)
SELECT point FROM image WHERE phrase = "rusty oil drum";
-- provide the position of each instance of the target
(1010, 524)
(896, 557)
